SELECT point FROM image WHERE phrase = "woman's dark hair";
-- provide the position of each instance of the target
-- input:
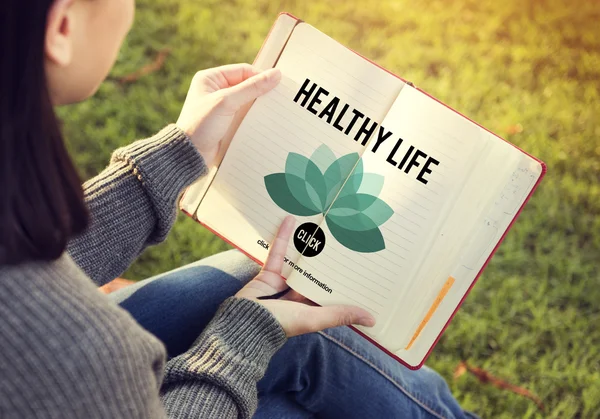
(41, 198)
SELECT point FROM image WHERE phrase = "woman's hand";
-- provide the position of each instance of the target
(296, 314)
(215, 96)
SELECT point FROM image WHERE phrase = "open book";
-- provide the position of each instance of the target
(400, 201)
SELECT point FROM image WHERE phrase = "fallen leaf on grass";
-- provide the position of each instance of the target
(485, 377)
(155, 65)
(460, 370)
(514, 129)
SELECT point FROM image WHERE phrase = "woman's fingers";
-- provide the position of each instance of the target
(227, 75)
(246, 91)
(274, 262)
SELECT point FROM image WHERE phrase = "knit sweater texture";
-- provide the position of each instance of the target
(67, 351)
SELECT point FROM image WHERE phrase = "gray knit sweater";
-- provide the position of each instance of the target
(67, 351)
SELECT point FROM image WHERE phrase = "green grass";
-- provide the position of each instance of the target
(533, 317)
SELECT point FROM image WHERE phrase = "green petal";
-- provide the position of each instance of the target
(359, 201)
(355, 222)
(301, 192)
(349, 207)
(354, 181)
(336, 174)
(366, 241)
(372, 184)
(342, 212)
(310, 192)
(379, 212)
(295, 164)
(278, 188)
(323, 157)
(333, 181)
(316, 188)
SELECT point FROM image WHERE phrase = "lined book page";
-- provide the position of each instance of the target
(380, 281)
(238, 205)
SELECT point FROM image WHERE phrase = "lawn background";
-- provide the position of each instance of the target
(527, 70)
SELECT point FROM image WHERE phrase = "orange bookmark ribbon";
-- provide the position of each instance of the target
(432, 310)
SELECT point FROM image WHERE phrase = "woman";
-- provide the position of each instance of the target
(67, 351)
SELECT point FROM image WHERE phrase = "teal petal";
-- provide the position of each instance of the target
(295, 164)
(367, 241)
(355, 222)
(353, 209)
(342, 212)
(323, 157)
(333, 181)
(359, 201)
(278, 188)
(316, 188)
(351, 186)
(354, 181)
(311, 190)
(301, 192)
(336, 174)
(372, 184)
(379, 212)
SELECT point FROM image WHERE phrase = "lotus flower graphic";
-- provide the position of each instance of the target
(310, 186)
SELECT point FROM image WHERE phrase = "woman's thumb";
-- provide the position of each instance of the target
(251, 88)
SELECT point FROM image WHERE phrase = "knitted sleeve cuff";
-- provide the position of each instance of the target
(232, 353)
(248, 328)
(164, 165)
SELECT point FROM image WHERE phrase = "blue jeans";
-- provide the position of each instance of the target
(334, 373)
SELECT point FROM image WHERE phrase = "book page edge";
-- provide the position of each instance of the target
(488, 259)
